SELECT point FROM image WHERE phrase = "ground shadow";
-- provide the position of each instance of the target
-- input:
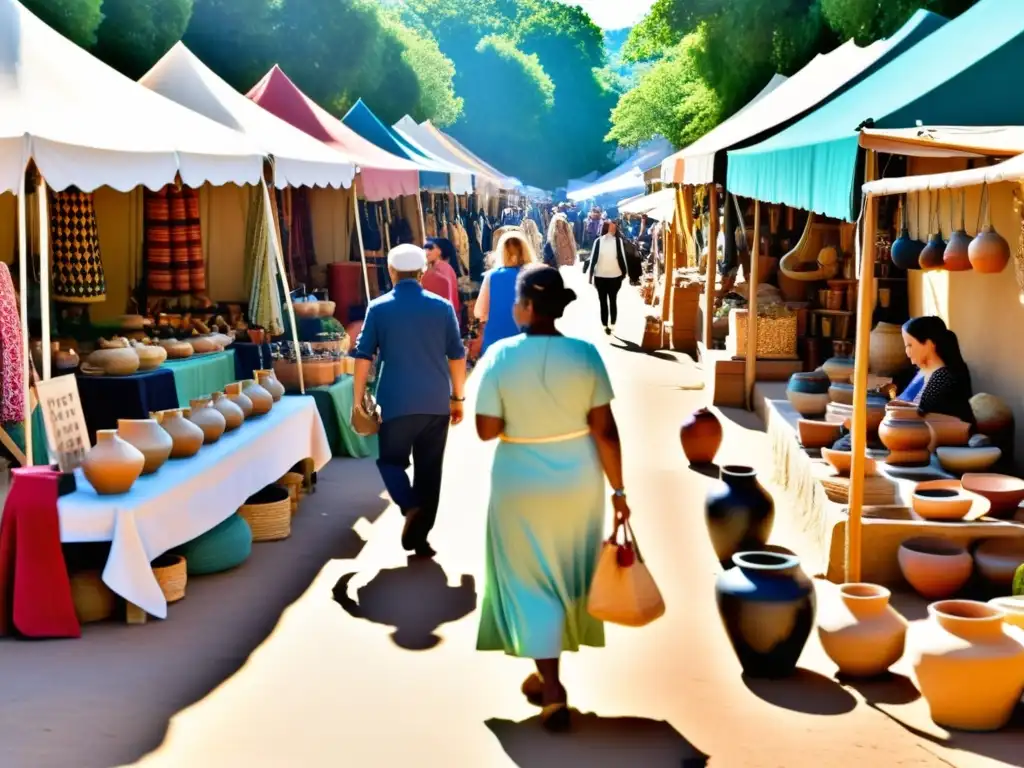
(597, 742)
(414, 599)
(889, 689)
(909, 604)
(803, 691)
(629, 346)
(711, 470)
(743, 418)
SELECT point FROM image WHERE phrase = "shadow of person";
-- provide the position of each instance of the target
(597, 742)
(630, 346)
(414, 599)
(803, 691)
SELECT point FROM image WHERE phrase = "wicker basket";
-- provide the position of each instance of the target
(171, 574)
(293, 482)
(776, 334)
(92, 598)
(269, 514)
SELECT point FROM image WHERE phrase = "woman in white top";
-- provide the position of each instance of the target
(607, 269)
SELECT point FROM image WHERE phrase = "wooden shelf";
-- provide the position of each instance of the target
(846, 312)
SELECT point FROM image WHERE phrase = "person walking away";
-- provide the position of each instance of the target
(560, 248)
(440, 277)
(607, 268)
(532, 233)
(420, 393)
(494, 305)
(547, 398)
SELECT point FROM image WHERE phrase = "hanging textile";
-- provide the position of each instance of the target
(12, 408)
(173, 249)
(260, 270)
(301, 254)
(77, 270)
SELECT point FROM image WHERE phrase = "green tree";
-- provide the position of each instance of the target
(869, 20)
(670, 100)
(234, 38)
(434, 73)
(136, 33)
(77, 20)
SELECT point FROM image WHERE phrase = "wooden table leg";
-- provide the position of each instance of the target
(134, 614)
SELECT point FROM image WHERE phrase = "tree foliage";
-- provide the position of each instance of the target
(869, 20)
(77, 20)
(434, 72)
(134, 34)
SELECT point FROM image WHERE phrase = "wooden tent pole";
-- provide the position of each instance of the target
(359, 236)
(712, 268)
(750, 365)
(668, 248)
(276, 254)
(423, 220)
(44, 272)
(26, 361)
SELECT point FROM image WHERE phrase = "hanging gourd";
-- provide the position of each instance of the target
(955, 257)
(905, 251)
(989, 252)
(931, 254)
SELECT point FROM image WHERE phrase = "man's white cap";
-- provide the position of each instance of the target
(407, 258)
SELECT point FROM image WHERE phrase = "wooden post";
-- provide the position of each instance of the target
(276, 255)
(712, 268)
(668, 248)
(44, 272)
(359, 236)
(423, 220)
(26, 362)
(750, 366)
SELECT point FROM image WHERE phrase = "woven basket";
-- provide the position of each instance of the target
(269, 514)
(293, 482)
(92, 598)
(171, 574)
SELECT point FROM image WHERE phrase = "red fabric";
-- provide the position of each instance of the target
(35, 592)
(446, 269)
(436, 281)
(12, 407)
(345, 281)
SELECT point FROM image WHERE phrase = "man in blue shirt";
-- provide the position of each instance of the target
(421, 389)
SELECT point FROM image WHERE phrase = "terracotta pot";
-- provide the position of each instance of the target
(176, 350)
(958, 460)
(63, 360)
(235, 395)
(942, 500)
(900, 434)
(701, 436)
(233, 415)
(306, 309)
(269, 382)
(989, 252)
(969, 665)
(767, 605)
(841, 461)
(860, 631)
(257, 335)
(327, 308)
(998, 560)
(150, 438)
(151, 356)
(992, 415)
(112, 465)
(886, 352)
(817, 434)
(1013, 607)
(838, 369)
(1003, 491)
(947, 431)
(955, 256)
(114, 362)
(262, 400)
(208, 419)
(740, 513)
(187, 437)
(808, 392)
(203, 344)
(935, 568)
(931, 257)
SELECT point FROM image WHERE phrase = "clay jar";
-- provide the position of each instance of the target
(839, 369)
(808, 392)
(235, 395)
(969, 664)
(860, 631)
(701, 436)
(150, 438)
(955, 256)
(989, 252)
(269, 382)
(947, 430)
(767, 606)
(262, 400)
(187, 437)
(934, 567)
(208, 419)
(233, 415)
(887, 353)
(112, 465)
(906, 435)
(739, 513)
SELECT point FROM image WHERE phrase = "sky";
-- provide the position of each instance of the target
(614, 14)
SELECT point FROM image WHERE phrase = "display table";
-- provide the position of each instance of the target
(335, 405)
(247, 359)
(186, 498)
(105, 399)
(201, 375)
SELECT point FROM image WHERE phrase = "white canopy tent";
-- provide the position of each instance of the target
(629, 175)
(660, 205)
(460, 178)
(299, 159)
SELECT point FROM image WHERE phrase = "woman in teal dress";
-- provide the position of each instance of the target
(548, 399)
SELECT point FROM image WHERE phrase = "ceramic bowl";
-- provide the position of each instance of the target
(841, 393)
(1013, 607)
(999, 559)
(958, 460)
(841, 461)
(1003, 491)
(947, 431)
(817, 434)
(944, 500)
(935, 568)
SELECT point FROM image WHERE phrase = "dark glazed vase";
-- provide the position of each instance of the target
(767, 606)
(740, 513)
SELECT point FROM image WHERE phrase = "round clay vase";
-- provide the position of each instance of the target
(262, 400)
(186, 436)
(208, 419)
(899, 431)
(969, 664)
(150, 438)
(808, 392)
(150, 356)
(860, 631)
(838, 369)
(955, 256)
(269, 382)
(112, 465)
(235, 395)
(932, 254)
(739, 512)
(998, 560)
(701, 436)
(935, 568)
(233, 415)
(906, 252)
(767, 605)
(989, 252)
(992, 415)
(887, 352)
(122, 361)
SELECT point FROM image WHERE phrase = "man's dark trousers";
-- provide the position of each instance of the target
(423, 438)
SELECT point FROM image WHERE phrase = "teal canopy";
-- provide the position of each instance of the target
(965, 72)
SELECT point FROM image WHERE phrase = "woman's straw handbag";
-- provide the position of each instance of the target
(623, 590)
(366, 417)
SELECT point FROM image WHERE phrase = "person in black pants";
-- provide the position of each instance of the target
(606, 269)
(421, 389)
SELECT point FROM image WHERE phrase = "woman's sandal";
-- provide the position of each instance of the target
(556, 717)
(533, 690)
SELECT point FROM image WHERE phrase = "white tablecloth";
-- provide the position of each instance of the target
(187, 497)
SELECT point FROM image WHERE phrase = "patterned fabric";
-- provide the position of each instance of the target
(75, 249)
(300, 238)
(174, 241)
(562, 240)
(260, 269)
(12, 408)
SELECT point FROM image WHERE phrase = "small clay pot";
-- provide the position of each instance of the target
(187, 437)
(269, 382)
(262, 400)
(931, 257)
(860, 631)
(150, 356)
(232, 413)
(112, 465)
(208, 419)
(989, 252)
(150, 438)
(903, 435)
(935, 568)
(235, 395)
(839, 369)
(817, 434)
(955, 256)
(114, 362)
(998, 560)
(701, 436)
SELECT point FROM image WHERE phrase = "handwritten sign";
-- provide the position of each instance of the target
(66, 433)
